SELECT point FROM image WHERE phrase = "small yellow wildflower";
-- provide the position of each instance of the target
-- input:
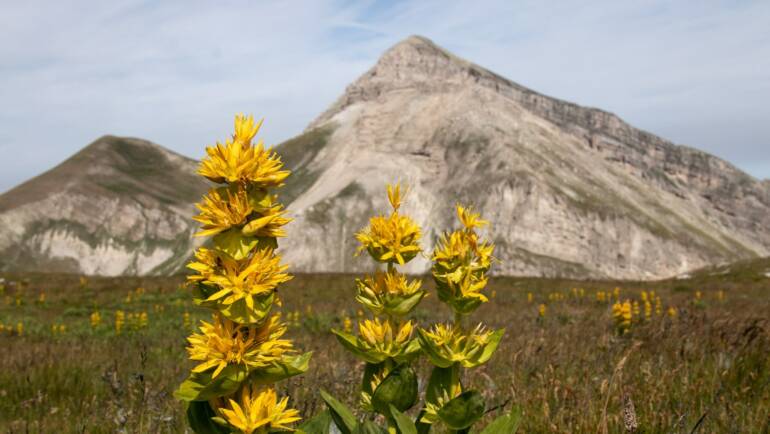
(541, 311)
(120, 319)
(96, 319)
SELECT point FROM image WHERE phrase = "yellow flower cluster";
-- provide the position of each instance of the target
(95, 319)
(239, 161)
(241, 351)
(223, 342)
(120, 320)
(460, 264)
(256, 411)
(447, 344)
(622, 314)
(391, 239)
(390, 293)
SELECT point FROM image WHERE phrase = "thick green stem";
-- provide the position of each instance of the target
(458, 320)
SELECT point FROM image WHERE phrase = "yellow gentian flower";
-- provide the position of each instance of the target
(391, 239)
(257, 411)
(389, 293)
(447, 344)
(380, 340)
(240, 161)
(223, 342)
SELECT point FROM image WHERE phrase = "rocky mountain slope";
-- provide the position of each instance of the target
(571, 190)
(119, 206)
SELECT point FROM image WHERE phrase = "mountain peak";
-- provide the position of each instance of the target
(414, 63)
(415, 45)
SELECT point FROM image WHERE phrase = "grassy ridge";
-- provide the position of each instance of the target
(709, 364)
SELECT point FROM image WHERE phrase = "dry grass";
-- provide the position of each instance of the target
(708, 369)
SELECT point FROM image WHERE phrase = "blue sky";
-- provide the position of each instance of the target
(697, 73)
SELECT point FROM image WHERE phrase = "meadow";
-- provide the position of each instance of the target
(93, 355)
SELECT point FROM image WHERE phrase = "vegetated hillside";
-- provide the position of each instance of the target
(747, 272)
(570, 191)
(119, 206)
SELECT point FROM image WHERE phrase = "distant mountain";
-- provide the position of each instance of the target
(119, 206)
(570, 191)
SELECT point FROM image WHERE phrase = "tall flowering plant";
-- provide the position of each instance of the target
(461, 261)
(386, 342)
(241, 352)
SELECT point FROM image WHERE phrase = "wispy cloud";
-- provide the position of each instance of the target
(175, 72)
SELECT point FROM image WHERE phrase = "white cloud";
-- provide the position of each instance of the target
(175, 72)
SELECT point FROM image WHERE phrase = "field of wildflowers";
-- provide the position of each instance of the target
(562, 368)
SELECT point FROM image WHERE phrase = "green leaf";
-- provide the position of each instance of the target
(199, 386)
(234, 243)
(398, 389)
(318, 424)
(341, 414)
(404, 424)
(441, 380)
(462, 411)
(200, 292)
(350, 343)
(489, 348)
(411, 352)
(288, 367)
(259, 199)
(400, 306)
(506, 424)
(369, 427)
(240, 312)
(199, 414)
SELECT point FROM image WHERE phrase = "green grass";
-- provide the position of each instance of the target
(709, 362)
